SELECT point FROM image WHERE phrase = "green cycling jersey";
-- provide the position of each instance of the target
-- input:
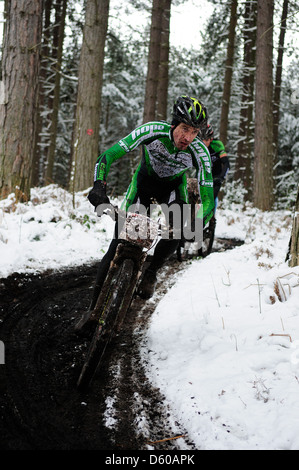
(163, 162)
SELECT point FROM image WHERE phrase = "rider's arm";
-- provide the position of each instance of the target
(105, 159)
(141, 135)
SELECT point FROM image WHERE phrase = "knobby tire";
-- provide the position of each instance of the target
(108, 322)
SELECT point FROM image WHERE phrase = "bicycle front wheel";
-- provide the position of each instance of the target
(119, 285)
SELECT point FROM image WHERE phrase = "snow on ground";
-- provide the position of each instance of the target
(50, 231)
(224, 349)
(223, 343)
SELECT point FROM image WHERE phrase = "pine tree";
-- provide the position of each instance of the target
(157, 72)
(244, 160)
(88, 113)
(228, 72)
(19, 108)
(263, 150)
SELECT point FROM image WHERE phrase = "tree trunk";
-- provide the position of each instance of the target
(277, 88)
(263, 149)
(37, 173)
(162, 90)
(88, 113)
(58, 45)
(19, 104)
(243, 166)
(228, 72)
(293, 254)
(152, 78)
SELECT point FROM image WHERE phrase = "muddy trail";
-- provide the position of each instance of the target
(40, 407)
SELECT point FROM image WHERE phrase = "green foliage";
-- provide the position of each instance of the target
(84, 219)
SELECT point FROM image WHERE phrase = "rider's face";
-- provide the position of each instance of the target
(183, 135)
(207, 142)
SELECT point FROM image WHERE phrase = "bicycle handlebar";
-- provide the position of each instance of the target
(114, 212)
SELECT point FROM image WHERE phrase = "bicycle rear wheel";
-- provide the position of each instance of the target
(118, 287)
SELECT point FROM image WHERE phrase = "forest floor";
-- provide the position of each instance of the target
(40, 407)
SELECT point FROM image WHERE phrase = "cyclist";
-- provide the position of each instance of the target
(168, 151)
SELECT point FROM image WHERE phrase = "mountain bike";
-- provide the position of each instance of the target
(187, 249)
(137, 236)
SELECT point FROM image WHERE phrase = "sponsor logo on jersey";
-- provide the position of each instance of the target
(148, 129)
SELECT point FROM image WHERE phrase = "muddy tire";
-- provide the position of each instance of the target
(107, 324)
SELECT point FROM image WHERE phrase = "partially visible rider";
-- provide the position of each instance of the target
(168, 151)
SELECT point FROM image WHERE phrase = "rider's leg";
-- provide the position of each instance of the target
(101, 275)
(164, 249)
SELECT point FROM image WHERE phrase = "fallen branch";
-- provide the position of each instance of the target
(277, 334)
(166, 439)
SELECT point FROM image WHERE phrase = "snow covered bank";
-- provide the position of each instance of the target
(49, 232)
(224, 341)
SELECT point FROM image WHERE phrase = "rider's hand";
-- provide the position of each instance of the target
(97, 195)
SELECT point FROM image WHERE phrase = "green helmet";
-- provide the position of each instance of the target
(190, 111)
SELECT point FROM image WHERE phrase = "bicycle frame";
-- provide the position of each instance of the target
(137, 236)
